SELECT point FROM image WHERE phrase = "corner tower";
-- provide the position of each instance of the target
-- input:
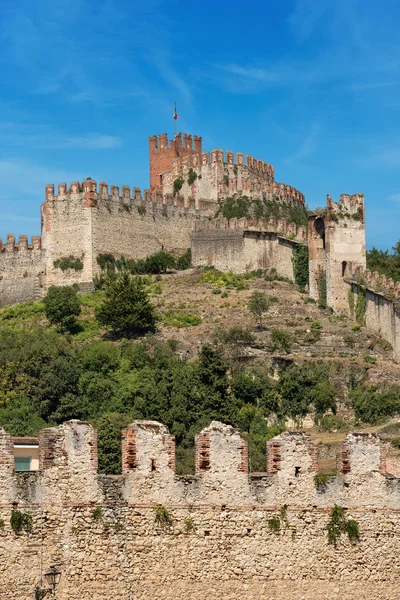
(163, 153)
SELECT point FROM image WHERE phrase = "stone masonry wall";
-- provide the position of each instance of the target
(84, 222)
(382, 295)
(242, 245)
(219, 176)
(22, 267)
(218, 543)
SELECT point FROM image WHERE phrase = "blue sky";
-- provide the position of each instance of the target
(310, 86)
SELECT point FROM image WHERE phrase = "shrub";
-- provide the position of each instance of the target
(361, 305)
(322, 290)
(180, 319)
(321, 482)
(62, 306)
(20, 522)
(274, 524)
(192, 176)
(316, 325)
(339, 524)
(68, 262)
(178, 183)
(281, 339)
(162, 516)
(127, 307)
(97, 514)
(185, 261)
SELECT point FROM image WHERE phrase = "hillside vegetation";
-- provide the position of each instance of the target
(206, 359)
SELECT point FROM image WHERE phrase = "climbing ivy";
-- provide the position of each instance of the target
(300, 264)
(192, 176)
(361, 305)
(322, 290)
(351, 302)
(68, 262)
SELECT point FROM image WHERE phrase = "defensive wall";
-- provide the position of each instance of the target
(22, 269)
(216, 540)
(218, 175)
(382, 302)
(162, 154)
(243, 245)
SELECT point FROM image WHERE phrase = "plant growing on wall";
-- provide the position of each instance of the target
(321, 282)
(361, 305)
(300, 264)
(178, 183)
(162, 517)
(192, 176)
(339, 524)
(21, 521)
(141, 210)
(68, 262)
(351, 302)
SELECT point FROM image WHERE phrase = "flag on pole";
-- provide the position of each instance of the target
(175, 113)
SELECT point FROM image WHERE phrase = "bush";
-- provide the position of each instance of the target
(127, 307)
(68, 262)
(180, 319)
(281, 340)
(339, 524)
(178, 183)
(62, 306)
(372, 405)
(192, 176)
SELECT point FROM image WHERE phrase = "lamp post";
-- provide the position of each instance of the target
(52, 577)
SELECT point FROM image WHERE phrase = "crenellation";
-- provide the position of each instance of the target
(10, 243)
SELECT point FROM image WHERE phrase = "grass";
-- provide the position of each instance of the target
(180, 319)
(217, 280)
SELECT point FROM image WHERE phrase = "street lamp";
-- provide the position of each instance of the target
(53, 577)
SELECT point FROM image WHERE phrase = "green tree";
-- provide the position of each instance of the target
(127, 307)
(258, 305)
(62, 306)
(110, 427)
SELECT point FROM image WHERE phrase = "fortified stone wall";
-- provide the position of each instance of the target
(103, 533)
(218, 176)
(22, 267)
(163, 154)
(85, 222)
(242, 245)
(382, 298)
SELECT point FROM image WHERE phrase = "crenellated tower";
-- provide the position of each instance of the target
(162, 154)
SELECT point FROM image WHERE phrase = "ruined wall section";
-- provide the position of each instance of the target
(103, 533)
(316, 253)
(345, 241)
(382, 295)
(243, 245)
(22, 267)
(219, 176)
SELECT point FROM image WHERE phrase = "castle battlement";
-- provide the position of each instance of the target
(68, 470)
(372, 280)
(226, 157)
(22, 245)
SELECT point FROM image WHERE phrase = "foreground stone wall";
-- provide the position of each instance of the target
(242, 245)
(102, 532)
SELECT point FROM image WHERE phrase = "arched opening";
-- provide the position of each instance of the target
(319, 228)
(344, 265)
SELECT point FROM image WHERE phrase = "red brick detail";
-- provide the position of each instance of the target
(244, 457)
(6, 451)
(169, 443)
(129, 449)
(343, 460)
(49, 448)
(162, 155)
(273, 456)
(202, 451)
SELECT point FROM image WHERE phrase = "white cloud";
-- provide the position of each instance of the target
(41, 137)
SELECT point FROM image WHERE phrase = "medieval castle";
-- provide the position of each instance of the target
(177, 212)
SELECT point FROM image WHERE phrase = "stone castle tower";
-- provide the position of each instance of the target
(334, 239)
(163, 154)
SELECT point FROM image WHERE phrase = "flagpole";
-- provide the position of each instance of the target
(175, 122)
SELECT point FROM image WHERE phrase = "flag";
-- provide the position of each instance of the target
(175, 113)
